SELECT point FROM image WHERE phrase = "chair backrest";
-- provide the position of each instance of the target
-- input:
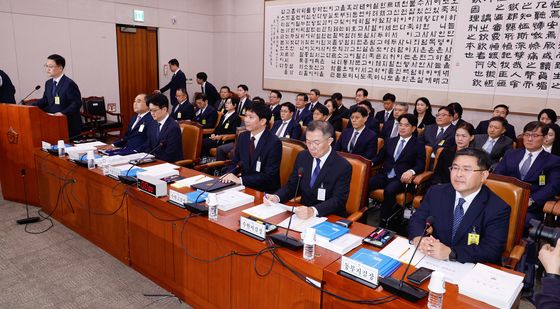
(337, 135)
(519, 141)
(428, 157)
(361, 169)
(303, 129)
(438, 153)
(290, 150)
(516, 194)
(191, 137)
(95, 106)
(380, 143)
(220, 114)
(345, 123)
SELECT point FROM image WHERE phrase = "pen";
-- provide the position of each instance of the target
(405, 251)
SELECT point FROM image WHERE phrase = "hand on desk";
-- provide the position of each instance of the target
(431, 246)
(271, 199)
(231, 178)
(550, 258)
(304, 212)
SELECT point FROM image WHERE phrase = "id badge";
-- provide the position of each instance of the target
(301, 122)
(57, 100)
(179, 115)
(203, 121)
(321, 193)
(473, 238)
(243, 112)
(542, 180)
(272, 119)
(441, 142)
(141, 128)
(258, 166)
(226, 125)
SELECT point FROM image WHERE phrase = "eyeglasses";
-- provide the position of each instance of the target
(465, 170)
(532, 135)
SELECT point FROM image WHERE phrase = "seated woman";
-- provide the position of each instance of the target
(423, 111)
(464, 135)
(551, 142)
(228, 125)
(336, 122)
(547, 116)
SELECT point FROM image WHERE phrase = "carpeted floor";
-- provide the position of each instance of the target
(60, 269)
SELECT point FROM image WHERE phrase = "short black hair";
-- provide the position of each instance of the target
(200, 96)
(243, 86)
(449, 109)
(335, 106)
(337, 96)
(158, 100)
(234, 100)
(278, 93)
(321, 108)
(457, 108)
(389, 97)
(261, 110)
(413, 120)
(499, 119)
(324, 126)
(315, 91)
(365, 92)
(174, 62)
(482, 157)
(304, 95)
(202, 76)
(184, 91)
(502, 106)
(225, 87)
(291, 107)
(550, 113)
(258, 100)
(368, 104)
(428, 106)
(534, 125)
(467, 126)
(58, 59)
(361, 110)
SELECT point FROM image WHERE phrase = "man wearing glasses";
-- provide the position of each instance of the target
(325, 176)
(62, 96)
(470, 223)
(164, 135)
(442, 133)
(535, 166)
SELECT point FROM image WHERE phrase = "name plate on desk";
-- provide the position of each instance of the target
(359, 270)
(252, 228)
(177, 198)
(152, 186)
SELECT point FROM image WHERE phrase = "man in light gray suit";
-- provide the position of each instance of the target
(495, 143)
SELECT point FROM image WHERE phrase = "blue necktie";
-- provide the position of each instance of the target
(397, 154)
(525, 167)
(54, 88)
(315, 173)
(457, 216)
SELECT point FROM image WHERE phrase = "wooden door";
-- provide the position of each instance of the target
(138, 67)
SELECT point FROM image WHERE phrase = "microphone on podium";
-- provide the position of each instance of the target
(283, 239)
(27, 96)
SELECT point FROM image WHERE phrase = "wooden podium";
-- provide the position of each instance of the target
(22, 128)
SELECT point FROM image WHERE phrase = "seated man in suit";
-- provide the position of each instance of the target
(495, 143)
(313, 98)
(184, 110)
(442, 133)
(274, 104)
(244, 102)
(502, 111)
(535, 166)
(206, 114)
(319, 113)
(164, 134)
(207, 88)
(361, 95)
(386, 115)
(302, 115)
(286, 126)
(137, 131)
(470, 222)
(258, 153)
(178, 80)
(391, 127)
(457, 113)
(228, 125)
(325, 176)
(403, 157)
(225, 93)
(61, 96)
(342, 111)
(371, 122)
(359, 139)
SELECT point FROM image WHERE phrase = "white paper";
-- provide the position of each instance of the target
(300, 225)
(160, 167)
(400, 249)
(342, 244)
(187, 182)
(454, 271)
(264, 211)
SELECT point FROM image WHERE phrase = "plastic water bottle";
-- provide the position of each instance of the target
(212, 207)
(61, 152)
(309, 244)
(90, 160)
(437, 289)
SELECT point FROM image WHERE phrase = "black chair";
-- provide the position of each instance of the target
(95, 117)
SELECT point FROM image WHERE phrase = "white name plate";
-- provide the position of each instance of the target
(252, 227)
(359, 270)
(177, 197)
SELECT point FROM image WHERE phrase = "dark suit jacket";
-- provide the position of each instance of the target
(549, 297)
(336, 122)
(292, 131)
(387, 129)
(220, 107)
(366, 144)
(448, 137)
(211, 93)
(276, 112)
(171, 149)
(482, 128)
(304, 117)
(546, 163)
(427, 120)
(178, 81)
(343, 112)
(70, 103)
(380, 116)
(441, 170)
(413, 156)
(134, 139)
(7, 90)
(502, 145)
(248, 104)
(487, 214)
(184, 110)
(229, 126)
(207, 118)
(334, 176)
(268, 152)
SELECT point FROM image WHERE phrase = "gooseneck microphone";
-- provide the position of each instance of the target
(130, 179)
(27, 96)
(283, 239)
(27, 219)
(401, 288)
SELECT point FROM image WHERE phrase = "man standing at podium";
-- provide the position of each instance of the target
(62, 96)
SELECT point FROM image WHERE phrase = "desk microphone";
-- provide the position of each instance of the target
(27, 219)
(401, 288)
(193, 207)
(130, 179)
(283, 239)
(27, 96)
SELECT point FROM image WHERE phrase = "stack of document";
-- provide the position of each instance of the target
(116, 160)
(300, 225)
(385, 265)
(335, 237)
(491, 285)
(187, 182)
(231, 199)
(400, 249)
(264, 211)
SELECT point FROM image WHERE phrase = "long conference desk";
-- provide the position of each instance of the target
(152, 236)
